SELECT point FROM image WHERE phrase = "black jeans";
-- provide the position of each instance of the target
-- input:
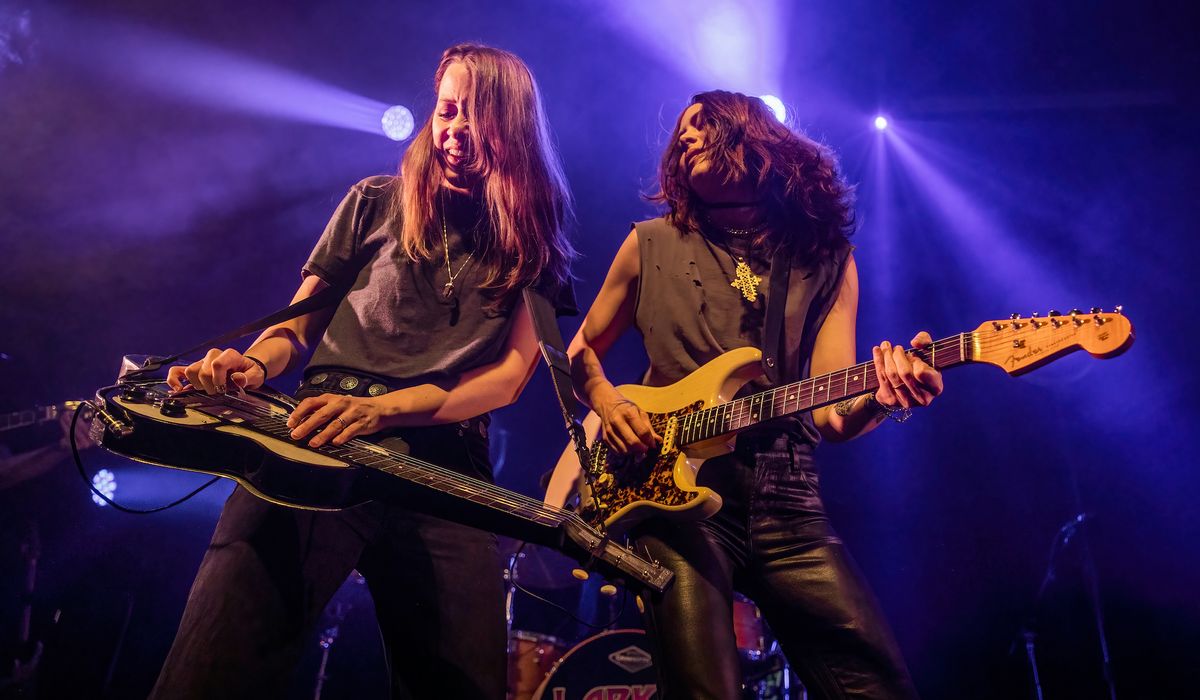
(270, 571)
(772, 542)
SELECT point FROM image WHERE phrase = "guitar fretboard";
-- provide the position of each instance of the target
(414, 470)
(810, 393)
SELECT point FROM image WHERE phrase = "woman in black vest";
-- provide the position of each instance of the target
(429, 338)
(746, 200)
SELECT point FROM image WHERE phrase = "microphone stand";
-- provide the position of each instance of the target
(1029, 627)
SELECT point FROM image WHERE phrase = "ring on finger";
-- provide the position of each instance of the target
(344, 423)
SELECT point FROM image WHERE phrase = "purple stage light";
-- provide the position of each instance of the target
(776, 106)
(881, 123)
(188, 70)
(397, 123)
(106, 483)
(737, 46)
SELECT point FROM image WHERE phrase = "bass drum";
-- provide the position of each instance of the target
(610, 665)
(530, 658)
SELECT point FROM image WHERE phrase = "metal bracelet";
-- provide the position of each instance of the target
(898, 414)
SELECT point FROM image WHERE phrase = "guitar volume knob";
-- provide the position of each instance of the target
(173, 408)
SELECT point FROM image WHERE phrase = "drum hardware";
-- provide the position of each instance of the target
(336, 615)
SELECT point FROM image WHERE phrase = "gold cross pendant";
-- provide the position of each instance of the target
(745, 281)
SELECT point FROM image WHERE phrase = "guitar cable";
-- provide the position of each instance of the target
(96, 492)
(596, 626)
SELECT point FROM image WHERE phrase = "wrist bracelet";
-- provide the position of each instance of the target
(897, 414)
(261, 365)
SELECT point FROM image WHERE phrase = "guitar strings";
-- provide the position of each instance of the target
(458, 480)
(737, 413)
(741, 412)
(738, 410)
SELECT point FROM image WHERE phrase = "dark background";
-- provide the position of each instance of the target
(165, 169)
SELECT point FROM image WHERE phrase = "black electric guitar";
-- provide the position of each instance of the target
(244, 437)
(698, 418)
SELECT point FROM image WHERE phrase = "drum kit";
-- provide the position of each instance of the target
(551, 657)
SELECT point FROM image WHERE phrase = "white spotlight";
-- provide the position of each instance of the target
(881, 122)
(776, 106)
(397, 123)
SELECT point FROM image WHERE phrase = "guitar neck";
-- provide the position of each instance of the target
(440, 479)
(814, 392)
(439, 491)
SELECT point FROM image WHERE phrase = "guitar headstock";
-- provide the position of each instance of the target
(1022, 344)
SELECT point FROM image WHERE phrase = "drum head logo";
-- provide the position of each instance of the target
(632, 659)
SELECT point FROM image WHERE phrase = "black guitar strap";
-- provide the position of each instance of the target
(545, 326)
(326, 297)
(773, 330)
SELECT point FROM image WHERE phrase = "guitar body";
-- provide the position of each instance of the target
(624, 491)
(273, 469)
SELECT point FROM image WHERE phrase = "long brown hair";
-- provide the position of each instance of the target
(524, 191)
(809, 206)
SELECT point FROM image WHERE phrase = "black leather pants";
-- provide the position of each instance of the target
(772, 542)
(269, 572)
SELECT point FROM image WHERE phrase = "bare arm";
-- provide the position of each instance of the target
(280, 348)
(626, 427)
(904, 382)
(336, 418)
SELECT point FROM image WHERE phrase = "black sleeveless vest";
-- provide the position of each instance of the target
(688, 313)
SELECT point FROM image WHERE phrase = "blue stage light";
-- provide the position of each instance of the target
(397, 123)
(106, 483)
(776, 106)
(881, 122)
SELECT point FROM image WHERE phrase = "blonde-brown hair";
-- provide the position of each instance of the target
(517, 169)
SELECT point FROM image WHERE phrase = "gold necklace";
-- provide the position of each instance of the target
(744, 279)
(448, 289)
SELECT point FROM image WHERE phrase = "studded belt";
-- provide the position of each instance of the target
(354, 383)
(339, 381)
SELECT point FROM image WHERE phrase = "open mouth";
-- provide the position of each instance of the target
(455, 156)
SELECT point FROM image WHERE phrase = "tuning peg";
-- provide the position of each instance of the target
(1016, 322)
(1118, 309)
(1033, 319)
(996, 325)
(1095, 309)
(1054, 313)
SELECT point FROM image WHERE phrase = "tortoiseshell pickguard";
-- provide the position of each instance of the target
(616, 482)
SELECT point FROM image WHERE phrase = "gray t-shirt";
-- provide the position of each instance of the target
(396, 322)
